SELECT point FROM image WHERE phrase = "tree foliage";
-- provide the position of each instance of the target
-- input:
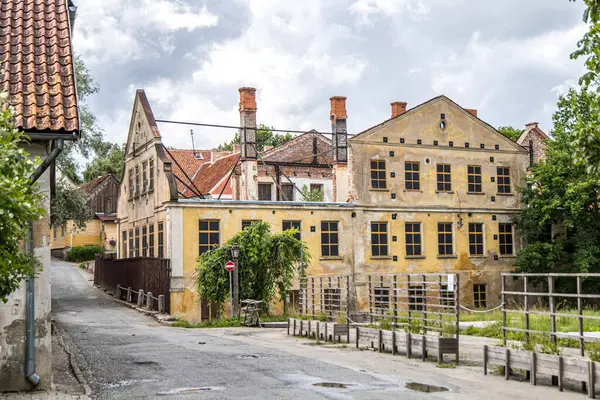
(311, 195)
(69, 203)
(264, 137)
(19, 203)
(510, 132)
(109, 160)
(586, 132)
(266, 265)
(560, 220)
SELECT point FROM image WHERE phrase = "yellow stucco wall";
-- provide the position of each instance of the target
(355, 244)
(84, 237)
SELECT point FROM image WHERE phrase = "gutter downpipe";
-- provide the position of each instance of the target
(30, 374)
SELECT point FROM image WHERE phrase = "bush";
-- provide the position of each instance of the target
(83, 253)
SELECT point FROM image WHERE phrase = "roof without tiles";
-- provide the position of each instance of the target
(37, 63)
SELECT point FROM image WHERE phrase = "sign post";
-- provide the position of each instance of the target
(230, 266)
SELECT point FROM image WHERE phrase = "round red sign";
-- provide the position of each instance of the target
(230, 266)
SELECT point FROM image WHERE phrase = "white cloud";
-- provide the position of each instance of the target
(367, 11)
(116, 31)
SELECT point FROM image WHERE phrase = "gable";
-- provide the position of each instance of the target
(422, 123)
(142, 127)
(301, 150)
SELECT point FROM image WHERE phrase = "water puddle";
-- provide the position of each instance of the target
(186, 390)
(423, 387)
(145, 363)
(249, 356)
(334, 385)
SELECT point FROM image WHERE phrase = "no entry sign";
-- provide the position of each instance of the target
(229, 266)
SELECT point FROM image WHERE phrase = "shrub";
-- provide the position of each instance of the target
(83, 253)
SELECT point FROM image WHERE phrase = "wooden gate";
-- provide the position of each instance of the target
(150, 274)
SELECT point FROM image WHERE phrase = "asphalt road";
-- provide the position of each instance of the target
(124, 354)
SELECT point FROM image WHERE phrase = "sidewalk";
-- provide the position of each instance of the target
(41, 396)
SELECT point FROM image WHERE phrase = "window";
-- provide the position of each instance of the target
(247, 222)
(265, 191)
(445, 247)
(479, 297)
(411, 175)
(474, 178)
(447, 297)
(55, 229)
(62, 231)
(161, 240)
(145, 241)
(287, 192)
(131, 244)
(475, 239)
(413, 238)
(329, 239)
(137, 180)
(378, 174)
(151, 240)
(208, 234)
(131, 186)
(506, 239)
(144, 176)
(314, 187)
(415, 298)
(444, 182)
(382, 299)
(287, 225)
(503, 179)
(137, 242)
(124, 245)
(379, 239)
(331, 300)
(151, 174)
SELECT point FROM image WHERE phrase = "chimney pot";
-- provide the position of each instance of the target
(398, 108)
(531, 125)
(247, 99)
(338, 107)
(471, 111)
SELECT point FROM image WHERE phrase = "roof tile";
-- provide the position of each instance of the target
(38, 73)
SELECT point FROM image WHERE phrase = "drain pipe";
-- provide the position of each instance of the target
(30, 374)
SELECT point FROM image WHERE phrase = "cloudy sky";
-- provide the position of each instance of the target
(509, 59)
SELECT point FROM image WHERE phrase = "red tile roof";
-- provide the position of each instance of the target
(37, 62)
(212, 173)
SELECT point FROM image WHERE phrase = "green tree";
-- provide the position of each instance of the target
(109, 160)
(19, 203)
(69, 203)
(560, 220)
(586, 132)
(311, 195)
(267, 264)
(264, 137)
(510, 132)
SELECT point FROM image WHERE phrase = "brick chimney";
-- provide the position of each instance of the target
(339, 131)
(248, 122)
(398, 108)
(531, 125)
(471, 111)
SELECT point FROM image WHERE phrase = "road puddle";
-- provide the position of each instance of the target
(333, 385)
(423, 387)
(186, 390)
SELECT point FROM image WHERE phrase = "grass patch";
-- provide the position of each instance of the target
(225, 322)
(446, 365)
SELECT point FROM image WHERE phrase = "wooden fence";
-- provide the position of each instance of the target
(148, 274)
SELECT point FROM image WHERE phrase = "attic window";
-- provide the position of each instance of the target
(497, 147)
(401, 140)
(482, 146)
(419, 141)
(467, 145)
(198, 155)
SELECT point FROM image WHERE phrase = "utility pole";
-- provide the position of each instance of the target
(235, 254)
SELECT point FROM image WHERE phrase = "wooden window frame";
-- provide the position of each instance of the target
(317, 186)
(480, 295)
(289, 224)
(378, 174)
(445, 239)
(137, 180)
(381, 299)
(287, 185)
(444, 178)
(145, 241)
(131, 244)
(247, 222)
(137, 241)
(472, 174)
(264, 184)
(506, 241)
(210, 231)
(160, 239)
(151, 240)
(503, 180)
(412, 176)
(131, 184)
(447, 296)
(415, 297)
(124, 244)
(151, 174)
(330, 247)
(379, 239)
(410, 236)
(476, 239)
(144, 176)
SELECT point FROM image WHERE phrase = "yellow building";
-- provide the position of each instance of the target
(432, 189)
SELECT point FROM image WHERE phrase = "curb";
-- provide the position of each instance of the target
(76, 371)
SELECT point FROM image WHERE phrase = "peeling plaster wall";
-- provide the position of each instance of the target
(12, 314)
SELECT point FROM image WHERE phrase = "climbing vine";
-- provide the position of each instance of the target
(266, 265)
